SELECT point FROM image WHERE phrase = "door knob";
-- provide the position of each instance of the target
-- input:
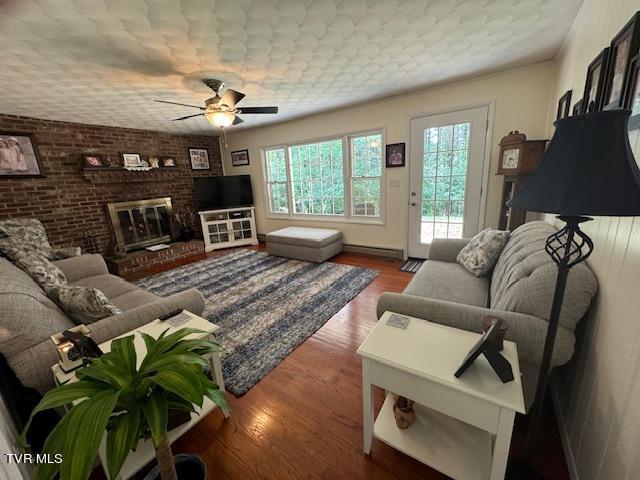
(413, 204)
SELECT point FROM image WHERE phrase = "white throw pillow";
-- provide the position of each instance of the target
(83, 304)
(480, 255)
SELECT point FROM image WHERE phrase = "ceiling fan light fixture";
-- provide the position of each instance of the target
(220, 119)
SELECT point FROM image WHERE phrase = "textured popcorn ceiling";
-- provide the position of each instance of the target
(104, 61)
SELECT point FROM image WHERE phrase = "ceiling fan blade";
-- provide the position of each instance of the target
(183, 104)
(258, 110)
(188, 116)
(237, 120)
(230, 98)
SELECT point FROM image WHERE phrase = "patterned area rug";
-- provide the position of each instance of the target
(266, 305)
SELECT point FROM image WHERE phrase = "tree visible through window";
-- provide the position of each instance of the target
(317, 178)
(366, 155)
(309, 179)
(444, 176)
(277, 181)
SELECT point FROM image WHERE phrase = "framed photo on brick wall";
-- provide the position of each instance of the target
(199, 159)
(19, 156)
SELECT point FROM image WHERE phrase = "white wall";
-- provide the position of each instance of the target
(521, 97)
(600, 391)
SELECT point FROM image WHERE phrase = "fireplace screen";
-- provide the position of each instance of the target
(141, 223)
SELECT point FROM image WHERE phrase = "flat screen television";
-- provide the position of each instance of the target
(213, 193)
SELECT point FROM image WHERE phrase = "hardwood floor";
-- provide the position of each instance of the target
(303, 420)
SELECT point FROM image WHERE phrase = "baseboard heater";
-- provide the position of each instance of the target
(366, 250)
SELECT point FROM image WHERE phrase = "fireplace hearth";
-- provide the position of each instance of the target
(141, 223)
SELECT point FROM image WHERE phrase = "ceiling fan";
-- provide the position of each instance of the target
(221, 111)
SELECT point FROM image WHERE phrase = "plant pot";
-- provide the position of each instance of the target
(186, 234)
(188, 467)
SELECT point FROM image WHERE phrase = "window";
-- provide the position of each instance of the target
(276, 174)
(338, 177)
(317, 178)
(366, 170)
(445, 174)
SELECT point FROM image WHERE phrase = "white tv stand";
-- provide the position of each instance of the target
(230, 227)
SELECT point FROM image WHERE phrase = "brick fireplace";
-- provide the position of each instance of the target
(71, 201)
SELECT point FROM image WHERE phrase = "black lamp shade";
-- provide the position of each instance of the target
(587, 169)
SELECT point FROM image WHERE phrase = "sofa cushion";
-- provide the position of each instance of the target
(133, 299)
(449, 281)
(27, 315)
(83, 304)
(122, 294)
(43, 272)
(524, 278)
(480, 255)
(305, 236)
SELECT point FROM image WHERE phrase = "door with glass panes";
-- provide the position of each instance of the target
(446, 176)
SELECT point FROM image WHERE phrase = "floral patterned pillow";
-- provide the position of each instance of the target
(43, 272)
(480, 255)
(83, 304)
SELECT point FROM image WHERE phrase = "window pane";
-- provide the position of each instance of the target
(317, 177)
(278, 202)
(276, 166)
(366, 158)
(444, 181)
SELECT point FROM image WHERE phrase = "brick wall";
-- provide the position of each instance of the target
(69, 202)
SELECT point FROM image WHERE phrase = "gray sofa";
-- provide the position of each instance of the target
(28, 317)
(519, 290)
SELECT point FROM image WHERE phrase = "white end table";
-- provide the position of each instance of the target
(145, 451)
(463, 427)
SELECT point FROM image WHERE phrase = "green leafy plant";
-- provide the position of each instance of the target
(130, 403)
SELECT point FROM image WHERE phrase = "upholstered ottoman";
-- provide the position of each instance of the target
(303, 243)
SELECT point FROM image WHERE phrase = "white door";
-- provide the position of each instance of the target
(446, 176)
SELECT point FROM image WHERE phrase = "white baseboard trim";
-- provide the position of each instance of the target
(562, 426)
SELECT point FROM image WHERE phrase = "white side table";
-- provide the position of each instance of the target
(145, 451)
(464, 425)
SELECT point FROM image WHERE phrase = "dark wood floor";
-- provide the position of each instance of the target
(303, 420)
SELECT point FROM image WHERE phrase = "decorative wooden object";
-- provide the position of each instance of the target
(518, 158)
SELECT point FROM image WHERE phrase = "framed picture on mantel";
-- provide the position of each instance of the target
(19, 156)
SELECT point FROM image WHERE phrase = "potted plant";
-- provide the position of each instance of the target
(185, 220)
(130, 403)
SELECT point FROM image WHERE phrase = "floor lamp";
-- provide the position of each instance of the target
(587, 170)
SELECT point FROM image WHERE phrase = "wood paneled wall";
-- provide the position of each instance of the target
(599, 392)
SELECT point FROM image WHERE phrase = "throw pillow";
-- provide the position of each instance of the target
(480, 255)
(13, 249)
(43, 272)
(83, 304)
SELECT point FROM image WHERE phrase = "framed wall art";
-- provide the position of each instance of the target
(131, 160)
(240, 158)
(632, 93)
(595, 83)
(564, 104)
(623, 47)
(93, 160)
(578, 108)
(168, 162)
(199, 159)
(19, 156)
(395, 155)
